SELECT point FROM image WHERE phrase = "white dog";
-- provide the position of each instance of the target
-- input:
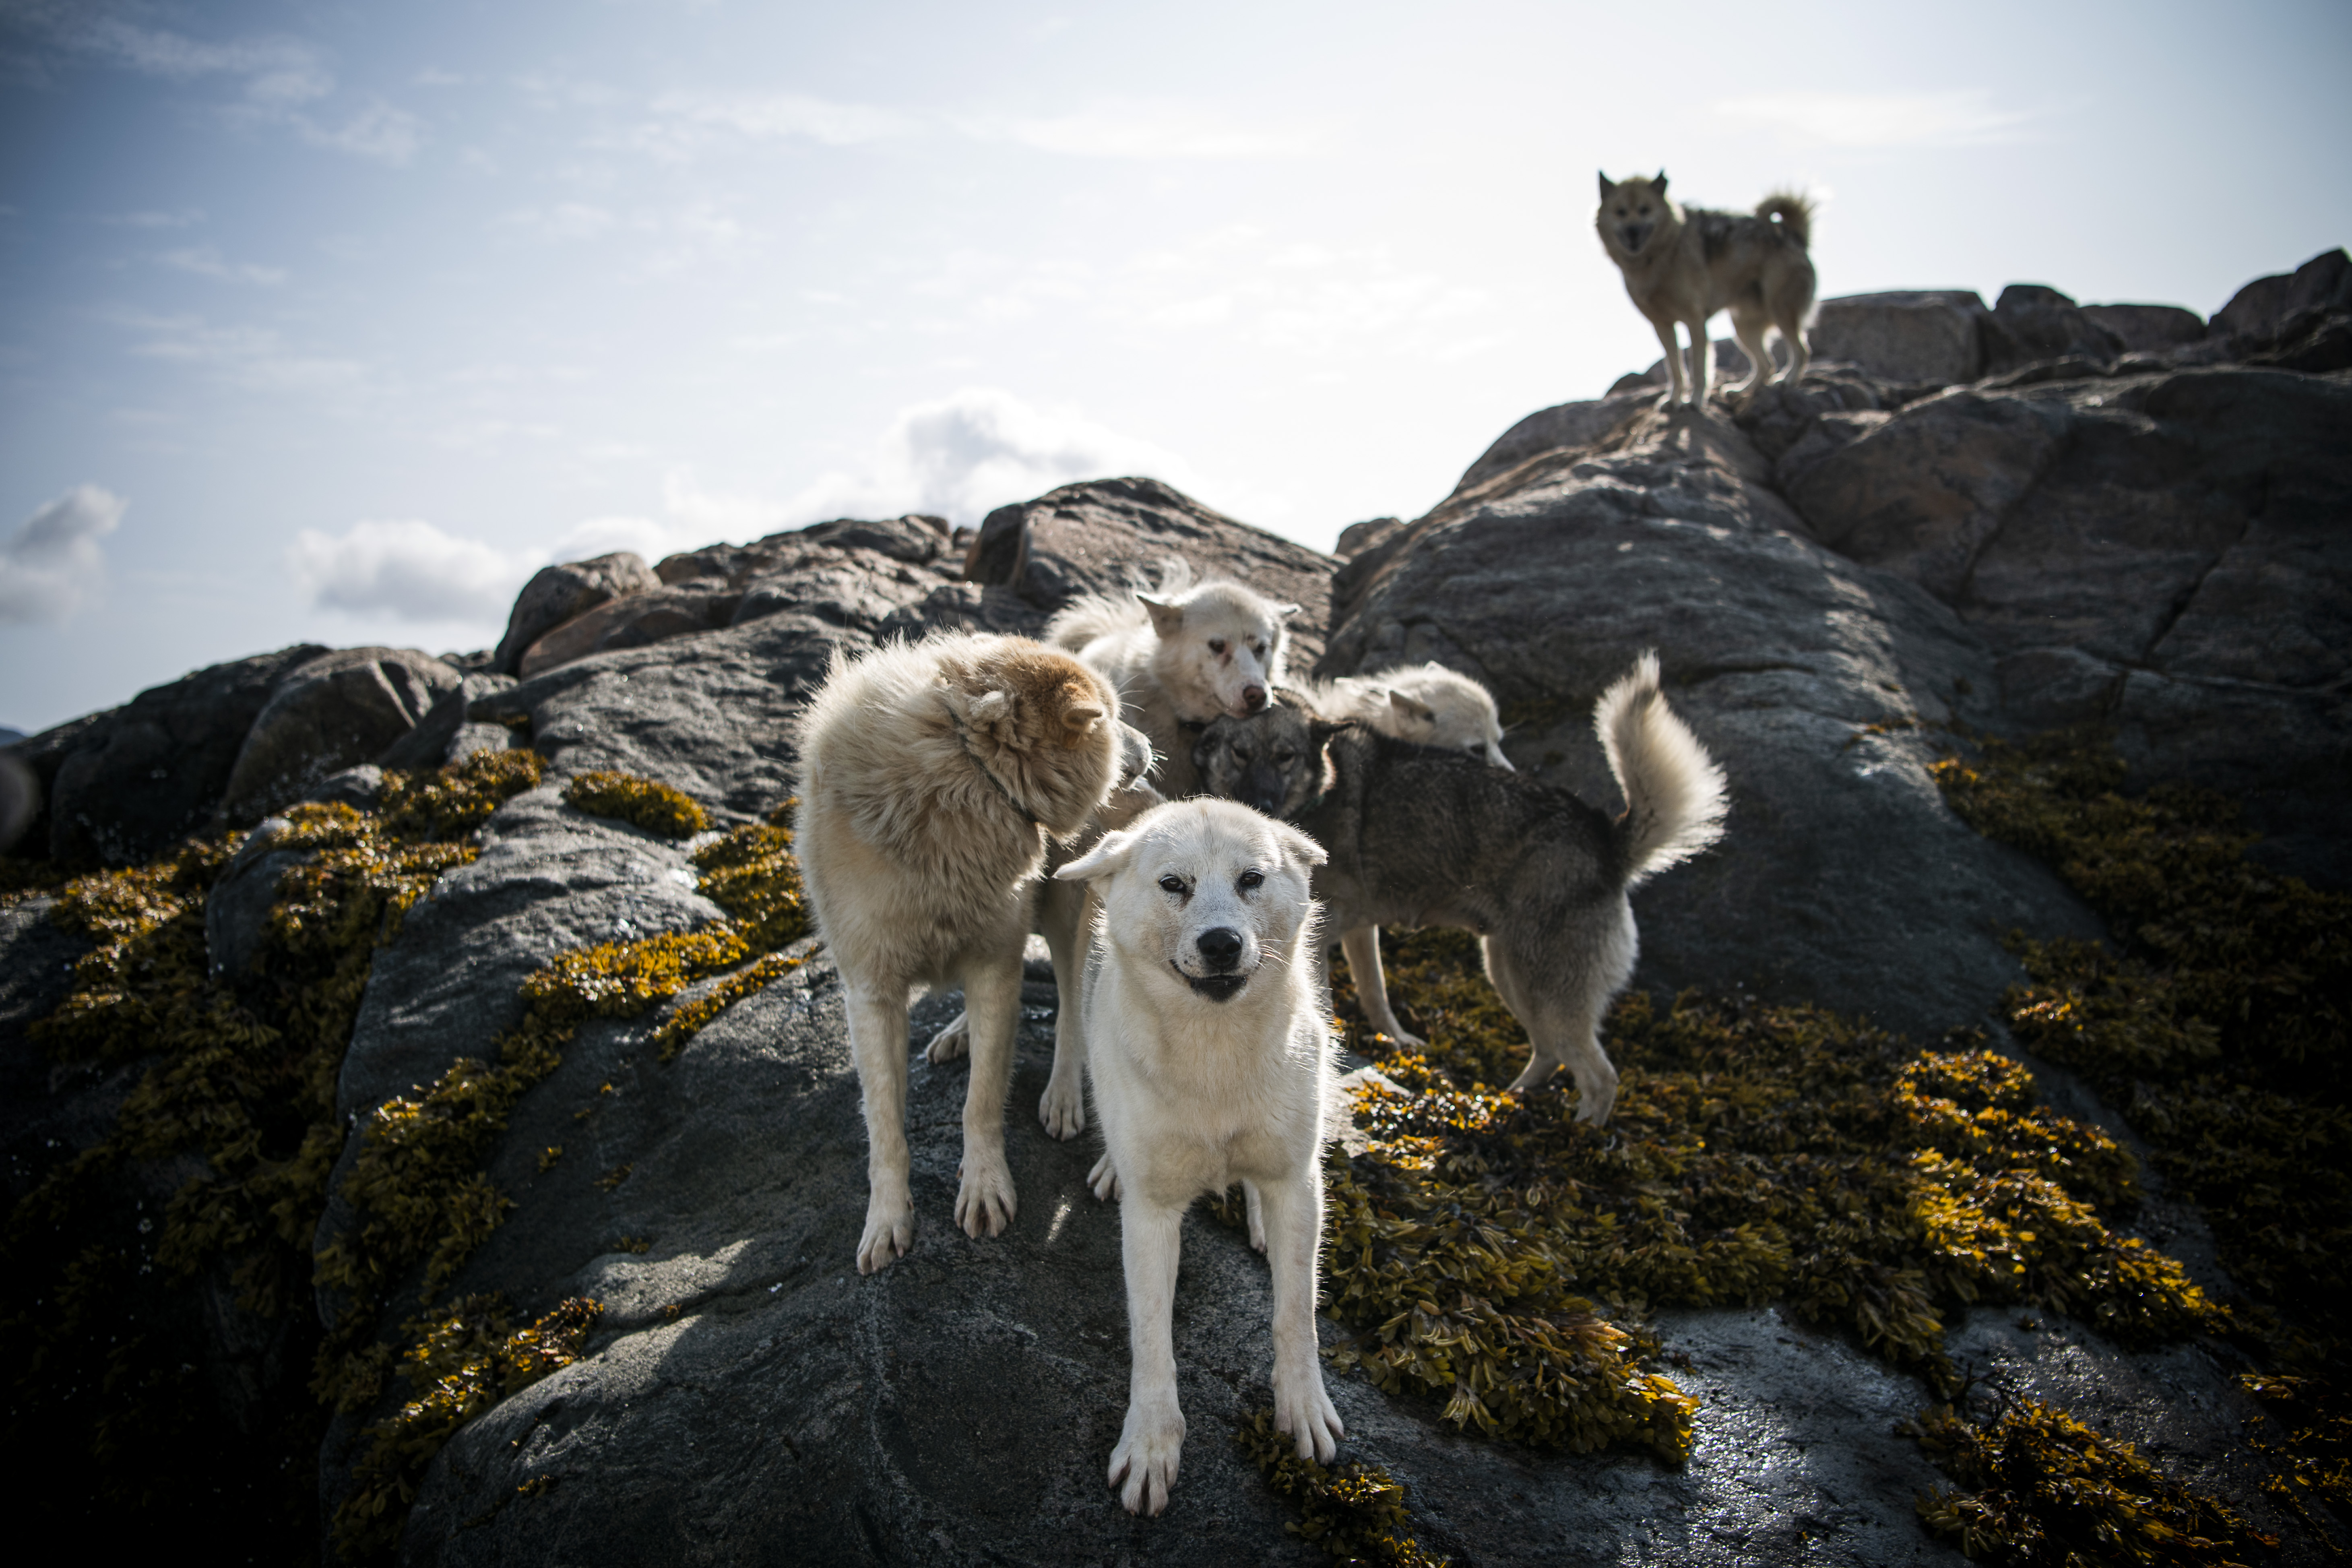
(1179, 658)
(1211, 1064)
(933, 775)
(1429, 705)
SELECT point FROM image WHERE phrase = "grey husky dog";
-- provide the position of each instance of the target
(1684, 264)
(1418, 836)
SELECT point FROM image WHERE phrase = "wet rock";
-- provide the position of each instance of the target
(557, 594)
(328, 714)
(121, 786)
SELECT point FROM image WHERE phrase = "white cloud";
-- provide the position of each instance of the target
(206, 261)
(683, 122)
(409, 569)
(247, 356)
(1963, 118)
(52, 564)
(379, 130)
(976, 450)
(1159, 128)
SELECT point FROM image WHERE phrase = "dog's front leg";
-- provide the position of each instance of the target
(1702, 362)
(1666, 330)
(1151, 1241)
(992, 1001)
(1294, 1223)
(1362, 946)
(877, 1038)
(1062, 913)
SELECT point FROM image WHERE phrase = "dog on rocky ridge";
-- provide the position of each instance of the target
(1684, 264)
(933, 775)
(1180, 656)
(1211, 1064)
(1417, 836)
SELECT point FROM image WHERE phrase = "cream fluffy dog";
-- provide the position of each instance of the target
(933, 775)
(1179, 658)
(1211, 1063)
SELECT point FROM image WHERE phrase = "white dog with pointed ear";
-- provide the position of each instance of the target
(1211, 1063)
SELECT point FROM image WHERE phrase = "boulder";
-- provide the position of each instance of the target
(2262, 306)
(2185, 527)
(2147, 329)
(1920, 335)
(1549, 429)
(1106, 536)
(1843, 879)
(557, 594)
(444, 735)
(237, 911)
(328, 714)
(122, 785)
(2032, 322)
(655, 615)
(1358, 537)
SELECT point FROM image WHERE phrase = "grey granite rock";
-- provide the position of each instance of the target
(327, 714)
(557, 594)
(1905, 335)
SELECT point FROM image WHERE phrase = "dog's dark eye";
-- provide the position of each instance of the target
(1251, 879)
(1172, 883)
(1257, 646)
(1284, 754)
(1216, 644)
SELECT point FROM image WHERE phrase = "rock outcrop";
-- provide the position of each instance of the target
(1992, 519)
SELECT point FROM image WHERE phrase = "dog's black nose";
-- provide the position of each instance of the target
(1221, 946)
(1253, 698)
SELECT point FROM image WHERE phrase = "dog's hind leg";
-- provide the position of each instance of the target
(1294, 1219)
(1151, 1442)
(1702, 362)
(877, 1037)
(949, 1044)
(1749, 326)
(992, 999)
(1061, 917)
(1362, 946)
(1509, 984)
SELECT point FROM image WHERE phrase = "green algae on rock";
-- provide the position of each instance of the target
(642, 802)
(461, 1365)
(1355, 1513)
(1499, 1256)
(236, 1107)
(2041, 1487)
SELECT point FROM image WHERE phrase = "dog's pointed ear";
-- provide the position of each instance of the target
(1167, 619)
(1110, 853)
(1081, 717)
(1659, 184)
(1297, 846)
(1608, 187)
(1320, 731)
(1284, 612)
(1411, 707)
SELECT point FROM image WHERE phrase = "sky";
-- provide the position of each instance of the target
(333, 323)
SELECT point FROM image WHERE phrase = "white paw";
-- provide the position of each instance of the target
(984, 1200)
(952, 1041)
(889, 1230)
(1149, 1446)
(1063, 1110)
(1302, 1409)
(1103, 1179)
(1404, 1037)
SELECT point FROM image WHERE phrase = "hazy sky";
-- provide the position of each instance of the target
(332, 321)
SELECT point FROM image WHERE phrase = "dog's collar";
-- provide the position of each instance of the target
(963, 738)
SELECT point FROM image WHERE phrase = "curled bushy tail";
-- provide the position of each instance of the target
(1092, 616)
(1673, 792)
(1795, 213)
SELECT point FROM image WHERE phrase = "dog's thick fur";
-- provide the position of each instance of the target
(1211, 1064)
(1180, 656)
(1430, 706)
(1684, 264)
(1427, 838)
(932, 776)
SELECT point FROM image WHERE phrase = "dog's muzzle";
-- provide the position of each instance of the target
(1261, 787)
(1221, 949)
(1634, 235)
